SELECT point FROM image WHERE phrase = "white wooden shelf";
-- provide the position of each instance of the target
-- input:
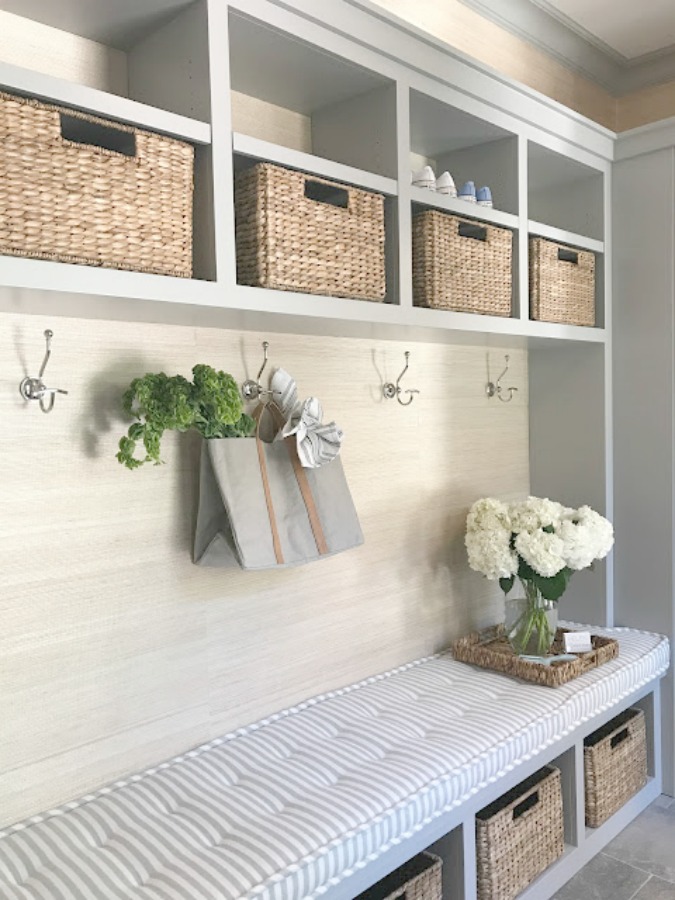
(254, 148)
(561, 236)
(425, 197)
(14, 79)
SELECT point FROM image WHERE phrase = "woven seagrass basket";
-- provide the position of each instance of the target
(461, 265)
(418, 879)
(615, 765)
(79, 189)
(519, 835)
(296, 232)
(562, 283)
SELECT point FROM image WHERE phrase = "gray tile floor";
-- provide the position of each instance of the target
(639, 864)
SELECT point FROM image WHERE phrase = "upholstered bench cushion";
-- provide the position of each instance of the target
(283, 809)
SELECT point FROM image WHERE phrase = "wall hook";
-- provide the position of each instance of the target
(493, 388)
(252, 390)
(394, 390)
(35, 388)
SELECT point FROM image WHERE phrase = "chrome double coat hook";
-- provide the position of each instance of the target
(394, 390)
(35, 388)
(494, 388)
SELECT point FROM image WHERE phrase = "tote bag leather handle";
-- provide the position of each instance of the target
(300, 477)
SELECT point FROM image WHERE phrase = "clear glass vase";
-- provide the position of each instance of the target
(530, 622)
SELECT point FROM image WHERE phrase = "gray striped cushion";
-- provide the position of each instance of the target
(285, 808)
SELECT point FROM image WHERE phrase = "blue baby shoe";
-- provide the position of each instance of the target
(484, 196)
(468, 192)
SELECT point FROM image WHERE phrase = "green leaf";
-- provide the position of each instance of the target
(506, 583)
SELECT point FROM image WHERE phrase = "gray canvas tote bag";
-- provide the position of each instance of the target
(260, 509)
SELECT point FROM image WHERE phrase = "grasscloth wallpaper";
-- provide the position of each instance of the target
(117, 652)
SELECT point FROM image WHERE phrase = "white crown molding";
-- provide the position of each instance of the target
(545, 27)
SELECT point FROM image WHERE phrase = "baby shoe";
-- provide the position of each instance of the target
(424, 178)
(468, 192)
(484, 196)
(445, 185)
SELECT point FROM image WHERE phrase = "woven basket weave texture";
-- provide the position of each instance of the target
(519, 835)
(418, 879)
(562, 283)
(461, 265)
(615, 765)
(79, 203)
(297, 232)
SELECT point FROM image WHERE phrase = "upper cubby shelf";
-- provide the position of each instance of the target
(469, 148)
(155, 52)
(15, 80)
(248, 150)
(564, 194)
(291, 93)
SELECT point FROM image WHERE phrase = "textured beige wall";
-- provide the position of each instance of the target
(463, 28)
(116, 651)
(647, 105)
(54, 52)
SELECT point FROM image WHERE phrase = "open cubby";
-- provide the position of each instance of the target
(470, 148)
(290, 92)
(564, 193)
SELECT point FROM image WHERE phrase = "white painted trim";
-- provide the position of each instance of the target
(462, 208)
(255, 148)
(120, 109)
(565, 237)
(645, 139)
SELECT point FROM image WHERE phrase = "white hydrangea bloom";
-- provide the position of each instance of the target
(490, 552)
(541, 550)
(534, 513)
(488, 513)
(587, 536)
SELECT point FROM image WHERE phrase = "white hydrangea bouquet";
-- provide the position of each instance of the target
(542, 543)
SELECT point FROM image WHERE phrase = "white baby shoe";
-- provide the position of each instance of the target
(446, 185)
(424, 178)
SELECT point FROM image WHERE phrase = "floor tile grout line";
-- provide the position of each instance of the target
(637, 868)
(649, 878)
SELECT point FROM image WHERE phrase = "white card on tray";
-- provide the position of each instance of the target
(577, 641)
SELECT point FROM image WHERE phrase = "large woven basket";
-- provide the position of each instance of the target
(79, 189)
(418, 879)
(461, 265)
(562, 283)
(296, 232)
(615, 765)
(519, 835)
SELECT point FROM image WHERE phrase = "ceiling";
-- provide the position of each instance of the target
(632, 29)
(623, 45)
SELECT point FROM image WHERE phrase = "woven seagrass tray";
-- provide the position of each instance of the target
(490, 649)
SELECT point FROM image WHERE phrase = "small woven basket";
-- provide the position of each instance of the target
(461, 265)
(418, 879)
(79, 189)
(519, 835)
(562, 283)
(296, 232)
(615, 765)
